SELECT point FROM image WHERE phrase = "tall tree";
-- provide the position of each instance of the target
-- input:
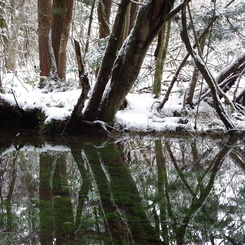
(127, 65)
(62, 15)
(44, 28)
(104, 12)
(107, 63)
(160, 57)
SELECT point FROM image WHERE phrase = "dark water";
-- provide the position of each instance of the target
(133, 190)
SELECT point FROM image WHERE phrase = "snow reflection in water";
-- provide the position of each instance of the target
(136, 190)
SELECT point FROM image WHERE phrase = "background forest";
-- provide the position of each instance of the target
(192, 51)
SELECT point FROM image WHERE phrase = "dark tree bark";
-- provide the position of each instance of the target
(64, 40)
(149, 21)
(129, 20)
(62, 14)
(107, 63)
(104, 12)
(44, 28)
(194, 79)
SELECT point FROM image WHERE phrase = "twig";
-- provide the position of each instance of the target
(12, 91)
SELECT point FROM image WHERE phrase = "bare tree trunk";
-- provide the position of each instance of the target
(62, 14)
(131, 55)
(129, 20)
(133, 13)
(44, 27)
(83, 81)
(107, 63)
(194, 79)
(64, 39)
(160, 57)
(104, 12)
(89, 27)
(4, 36)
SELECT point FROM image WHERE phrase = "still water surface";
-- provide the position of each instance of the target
(133, 190)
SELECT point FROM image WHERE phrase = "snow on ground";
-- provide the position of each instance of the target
(140, 114)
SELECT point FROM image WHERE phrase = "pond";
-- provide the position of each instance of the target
(136, 189)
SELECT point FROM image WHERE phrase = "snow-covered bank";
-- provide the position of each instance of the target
(139, 115)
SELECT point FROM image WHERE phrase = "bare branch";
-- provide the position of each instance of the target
(177, 9)
(212, 83)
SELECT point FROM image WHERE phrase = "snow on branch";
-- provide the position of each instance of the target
(230, 68)
(177, 9)
(142, 4)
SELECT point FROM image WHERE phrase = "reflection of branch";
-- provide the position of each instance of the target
(239, 160)
(85, 179)
(197, 203)
(17, 104)
(12, 182)
(178, 169)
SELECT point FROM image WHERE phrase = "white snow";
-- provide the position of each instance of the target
(140, 114)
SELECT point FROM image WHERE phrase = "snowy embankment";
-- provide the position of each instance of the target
(139, 115)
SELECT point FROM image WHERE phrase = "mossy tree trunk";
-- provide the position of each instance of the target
(160, 57)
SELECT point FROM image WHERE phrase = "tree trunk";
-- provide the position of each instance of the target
(64, 40)
(104, 12)
(175, 77)
(149, 21)
(89, 27)
(62, 13)
(16, 22)
(160, 57)
(44, 27)
(107, 63)
(194, 79)
(3, 32)
(84, 83)
(133, 13)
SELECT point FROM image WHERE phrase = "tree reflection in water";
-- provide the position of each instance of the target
(136, 190)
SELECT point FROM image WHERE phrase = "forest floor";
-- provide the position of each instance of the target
(140, 115)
